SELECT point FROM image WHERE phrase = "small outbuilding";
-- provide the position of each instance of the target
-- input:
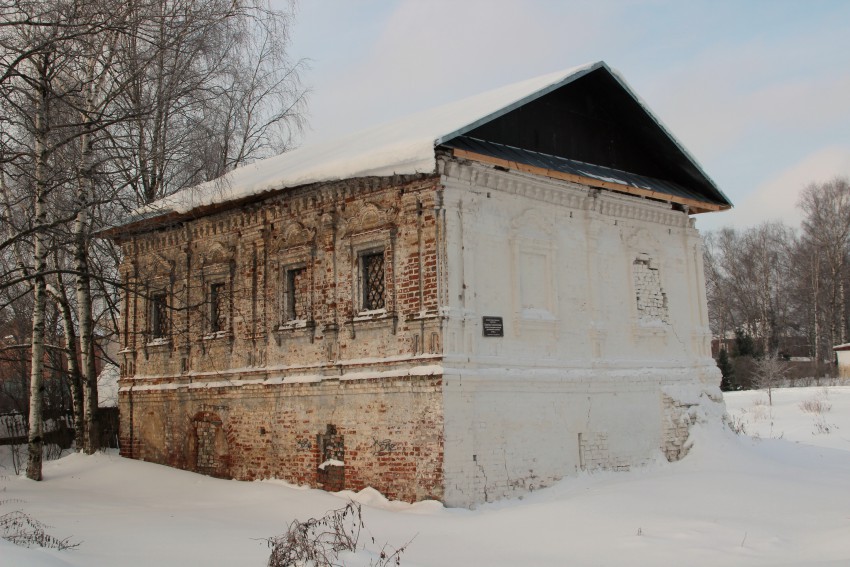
(465, 305)
(842, 354)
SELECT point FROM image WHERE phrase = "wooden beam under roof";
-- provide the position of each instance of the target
(694, 206)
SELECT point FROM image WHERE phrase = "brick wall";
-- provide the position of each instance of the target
(242, 386)
(651, 301)
(389, 432)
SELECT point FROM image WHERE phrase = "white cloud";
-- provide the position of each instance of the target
(429, 53)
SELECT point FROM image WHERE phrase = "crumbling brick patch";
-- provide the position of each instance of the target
(211, 450)
(593, 451)
(594, 454)
(650, 296)
(330, 475)
(678, 419)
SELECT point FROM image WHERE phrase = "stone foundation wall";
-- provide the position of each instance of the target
(509, 432)
(387, 432)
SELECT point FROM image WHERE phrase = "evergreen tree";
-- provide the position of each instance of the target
(726, 371)
(744, 343)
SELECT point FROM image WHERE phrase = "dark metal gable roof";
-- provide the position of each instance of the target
(585, 115)
(577, 169)
(593, 118)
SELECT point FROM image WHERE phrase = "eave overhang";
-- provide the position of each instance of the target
(583, 125)
(555, 167)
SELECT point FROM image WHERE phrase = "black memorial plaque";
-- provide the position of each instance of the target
(493, 327)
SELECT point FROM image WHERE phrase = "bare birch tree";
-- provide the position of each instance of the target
(826, 230)
(108, 99)
(211, 89)
(748, 286)
(36, 73)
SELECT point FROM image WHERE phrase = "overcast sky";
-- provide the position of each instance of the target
(758, 91)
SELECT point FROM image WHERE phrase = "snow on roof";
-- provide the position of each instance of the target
(405, 146)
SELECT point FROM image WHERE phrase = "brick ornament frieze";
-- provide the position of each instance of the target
(563, 193)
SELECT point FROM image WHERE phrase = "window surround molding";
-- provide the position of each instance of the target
(295, 306)
(292, 246)
(367, 227)
(159, 284)
(301, 257)
(159, 318)
(217, 308)
(219, 272)
(362, 245)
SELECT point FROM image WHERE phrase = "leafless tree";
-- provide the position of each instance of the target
(826, 241)
(770, 372)
(747, 281)
(34, 97)
(106, 99)
(211, 89)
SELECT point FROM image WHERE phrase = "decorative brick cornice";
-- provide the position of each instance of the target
(562, 193)
(307, 201)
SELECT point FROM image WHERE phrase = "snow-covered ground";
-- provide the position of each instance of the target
(781, 497)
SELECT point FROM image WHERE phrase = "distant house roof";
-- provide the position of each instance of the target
(584, 122)
(845, 346)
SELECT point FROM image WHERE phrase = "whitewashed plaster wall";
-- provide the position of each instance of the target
(576, 382)
(843, 357)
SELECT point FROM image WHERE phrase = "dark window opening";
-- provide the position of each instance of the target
(217, 307)
(296, 294)
(159, 316)
(372, 266)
